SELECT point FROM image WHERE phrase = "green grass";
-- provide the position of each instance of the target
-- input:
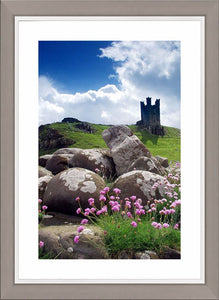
(122, 236)
(167, 146)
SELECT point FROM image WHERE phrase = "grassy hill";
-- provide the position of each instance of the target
(167, 146)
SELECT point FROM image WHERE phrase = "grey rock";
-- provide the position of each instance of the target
(124, 146)
(139, 183)
(62, 190)
(163, 161)
(43, 159)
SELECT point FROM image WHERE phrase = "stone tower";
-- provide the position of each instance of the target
(150, 117)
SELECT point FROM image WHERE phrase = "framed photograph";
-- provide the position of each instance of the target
(87, 81)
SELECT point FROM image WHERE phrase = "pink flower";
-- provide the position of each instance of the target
(80, 228)
(41, 244)
(91, 201)
(117, 191)
(78, 211)
(111, 203)
(178, 202)
(39, 211)
(140, 211)
(93, 209)
(102, 198)
(129, 215)
(102, 192)
(128, 204)
(176, 226)
(104, 209)
(133, 198)
(112, 198)
(154, 224)
(77, 199)
(97, 170)
(87, 211)
(106, 189)
(105, 232)
(99, 212)
(172, 211)
(116, 207)
(40, 201)
(138, 205)
(44, 207)
(159, 226)
(165, 225)
(153, 209)
(134, 224)
(76, 239)
(84, 221)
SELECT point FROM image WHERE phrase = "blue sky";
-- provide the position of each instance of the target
(104, 81)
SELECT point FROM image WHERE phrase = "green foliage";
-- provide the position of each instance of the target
(121, 236)
(167, 146)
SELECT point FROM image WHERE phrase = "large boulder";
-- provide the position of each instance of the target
(140, 184)
(67, 151)
(42, 184)
(62, 190)
(44, 172)
(144, 163)
(125, 147)
(43, 159)
(147, 164)
(59, 242)
(163, 161)
(92, 159)
(57, 163)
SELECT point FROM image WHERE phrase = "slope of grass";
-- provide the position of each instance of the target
(167, 146)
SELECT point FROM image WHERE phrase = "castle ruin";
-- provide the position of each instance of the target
(150, 117)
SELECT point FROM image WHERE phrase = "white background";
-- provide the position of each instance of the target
(188, 30)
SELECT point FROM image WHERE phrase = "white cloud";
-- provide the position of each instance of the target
(141, 68)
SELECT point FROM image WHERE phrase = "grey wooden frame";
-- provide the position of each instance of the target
(10, 9)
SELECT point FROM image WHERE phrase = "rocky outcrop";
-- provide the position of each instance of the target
(139, 183)
(85, 127)
(92, 159)
(70, 120)
(125, 147)
(50, 138)
(65, 187)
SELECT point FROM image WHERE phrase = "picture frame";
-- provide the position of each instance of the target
(10, 9)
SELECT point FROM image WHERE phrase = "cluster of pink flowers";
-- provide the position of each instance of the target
(164, 210)
(43, 208)
(159, 225)
(114, 204)
(161, 212)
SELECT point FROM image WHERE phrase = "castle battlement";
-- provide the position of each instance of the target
(150, 116)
